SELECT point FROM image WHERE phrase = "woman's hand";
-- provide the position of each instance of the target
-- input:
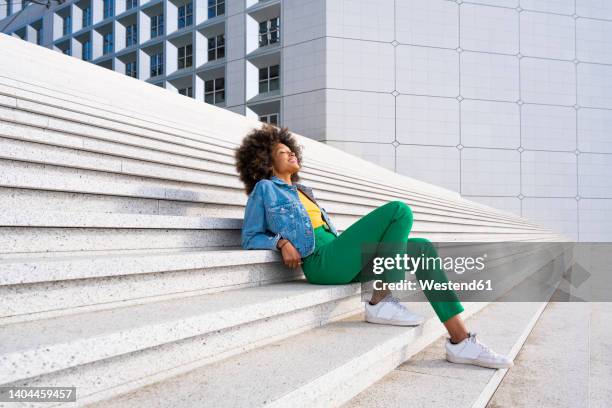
(291, 256)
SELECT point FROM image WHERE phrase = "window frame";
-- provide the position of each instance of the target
(183, 57)
(216, 92)
(129, 71)
(215, 8)
(108, 9)
(156, 69)
(267, 34)
(269, 78)
(131, 35)
(187, 18)
(158, 27)
(218, 49)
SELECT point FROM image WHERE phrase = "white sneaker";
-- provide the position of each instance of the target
(472, 351)
(389, 310)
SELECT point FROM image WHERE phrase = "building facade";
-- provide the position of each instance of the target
(508, 102)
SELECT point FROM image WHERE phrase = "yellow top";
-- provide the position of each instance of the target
(313, 211)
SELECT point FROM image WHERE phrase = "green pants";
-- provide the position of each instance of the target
(338, 259)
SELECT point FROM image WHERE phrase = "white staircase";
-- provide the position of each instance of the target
(121, 271)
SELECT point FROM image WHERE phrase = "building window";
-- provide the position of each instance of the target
(86, 17)
(67, 51)
(216, 8)
(131, 35)
(268, 78)
(109, 8)
(157, 25)
(271, 118)
(185, 59)
(86, 54)
(269, 32)
(107, 43)
(214, 91)
(216, 47)
(129, 4)
(186, 91)
(24, 4)
(130, 69)
(39, 35)
(67, 25)
(157, 64)
(185, 15)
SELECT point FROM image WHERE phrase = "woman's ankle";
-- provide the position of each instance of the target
(378, 296)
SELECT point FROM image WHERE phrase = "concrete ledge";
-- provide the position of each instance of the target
(350, 354)
(35, 348)
(428, 379)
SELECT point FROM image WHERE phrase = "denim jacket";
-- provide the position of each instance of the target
(274, 211)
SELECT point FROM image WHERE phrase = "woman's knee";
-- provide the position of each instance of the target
(403, 209)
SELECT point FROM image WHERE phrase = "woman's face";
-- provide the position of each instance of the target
(284, 160)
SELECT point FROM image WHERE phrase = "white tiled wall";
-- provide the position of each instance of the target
(306, 111)
(426, 71)
(490, 124)
(489, 76)
(302, 70)
(358, 116)
(419, 161)
(359, 65)
(427, 120)
(508, 102)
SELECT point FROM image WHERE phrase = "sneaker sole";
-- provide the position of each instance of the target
(394, 322)
(459, 360)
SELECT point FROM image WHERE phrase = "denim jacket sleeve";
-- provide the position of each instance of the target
(254, 232)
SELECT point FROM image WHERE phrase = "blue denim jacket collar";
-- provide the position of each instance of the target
(305, 189)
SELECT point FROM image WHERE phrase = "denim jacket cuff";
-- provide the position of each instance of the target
(275, 240)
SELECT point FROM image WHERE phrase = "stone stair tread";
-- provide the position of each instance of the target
(76, 219)
(229, 160)
(32, 267)
(283, 373)
(427, 379)
(77, 339)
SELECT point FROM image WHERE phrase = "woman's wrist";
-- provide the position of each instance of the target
(281, 242)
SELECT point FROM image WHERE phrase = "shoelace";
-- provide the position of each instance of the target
(396, 301)
(482, 346)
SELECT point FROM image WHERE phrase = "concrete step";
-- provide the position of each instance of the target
(45, 285)
(33, 239)
(350, 356)
(73, 141)
(39, 239)
(38, 200)
(428, 380)
(322, 367)
(17, 150)
(565, 362)
(76, 219)
(103, 349)
(30, 123)
(85, 281)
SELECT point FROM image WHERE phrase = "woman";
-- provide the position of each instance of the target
(282, 214)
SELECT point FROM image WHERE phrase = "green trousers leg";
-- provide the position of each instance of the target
(338, 260)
